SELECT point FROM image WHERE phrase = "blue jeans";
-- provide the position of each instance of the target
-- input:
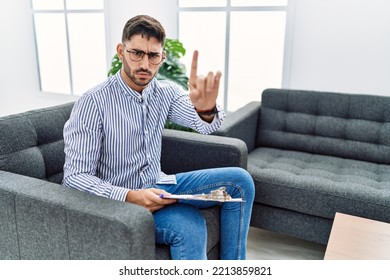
(183, 228)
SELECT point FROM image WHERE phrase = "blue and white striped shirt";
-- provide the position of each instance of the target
(113, 136)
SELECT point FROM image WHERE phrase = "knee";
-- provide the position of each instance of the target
(244, 176)
(244, 181)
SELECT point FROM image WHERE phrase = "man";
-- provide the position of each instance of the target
(113, 146)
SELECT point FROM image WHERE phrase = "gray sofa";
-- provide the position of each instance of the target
(40, 219)
(313, 154)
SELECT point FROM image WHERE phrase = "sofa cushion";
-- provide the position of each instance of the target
(31, 143)
(320, 185)
(343, 125)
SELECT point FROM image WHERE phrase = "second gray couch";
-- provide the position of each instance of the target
(313, 154)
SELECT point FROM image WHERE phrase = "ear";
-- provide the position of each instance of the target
(120, 51)
(164, 54)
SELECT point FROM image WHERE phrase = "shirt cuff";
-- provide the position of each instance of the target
(218, 117)
(119, 193)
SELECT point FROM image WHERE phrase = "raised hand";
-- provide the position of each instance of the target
(203, 90)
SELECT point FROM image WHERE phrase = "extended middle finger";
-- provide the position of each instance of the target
(201, 84)
(210, 82)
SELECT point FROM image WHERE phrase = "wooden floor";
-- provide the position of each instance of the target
(265, 245)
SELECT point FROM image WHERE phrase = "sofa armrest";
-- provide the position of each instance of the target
(186, 151)
(242, 124)
(42, 220)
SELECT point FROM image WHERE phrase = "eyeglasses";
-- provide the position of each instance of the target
(137, 55)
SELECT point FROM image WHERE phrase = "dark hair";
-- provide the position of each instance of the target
(145, 26)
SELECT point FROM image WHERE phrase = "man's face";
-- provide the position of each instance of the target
(138, 71)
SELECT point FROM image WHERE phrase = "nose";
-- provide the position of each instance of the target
(144, 62)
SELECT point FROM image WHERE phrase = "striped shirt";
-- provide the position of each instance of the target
(113, 136)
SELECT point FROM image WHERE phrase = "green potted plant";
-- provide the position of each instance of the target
(172, 69)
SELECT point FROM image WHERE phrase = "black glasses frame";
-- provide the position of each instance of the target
(138, 55)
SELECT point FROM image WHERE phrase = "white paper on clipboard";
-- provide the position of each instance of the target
(219, 195)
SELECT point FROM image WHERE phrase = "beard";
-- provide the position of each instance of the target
(131, 74)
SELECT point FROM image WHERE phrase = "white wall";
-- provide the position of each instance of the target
(341, 45)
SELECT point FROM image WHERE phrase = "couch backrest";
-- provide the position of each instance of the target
(345, 125)
(32, 144)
